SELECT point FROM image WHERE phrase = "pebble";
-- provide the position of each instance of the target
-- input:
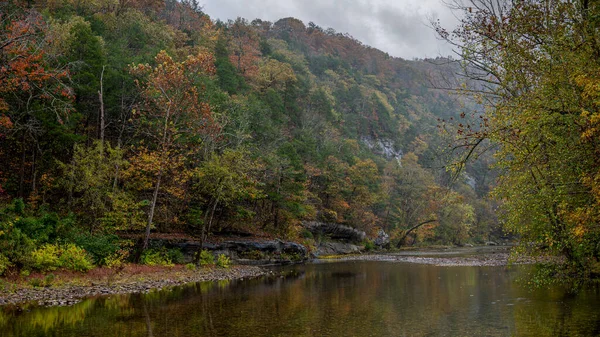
(69, 295)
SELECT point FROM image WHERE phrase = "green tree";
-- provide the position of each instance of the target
(224, 180)
(530, 62)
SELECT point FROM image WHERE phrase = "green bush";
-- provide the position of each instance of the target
(117, 259)
(176, 256)
(4, 264)
(75, 258)
(43, 229)
(223, 261)
(190, 266)
(101, 247)
(206, 258)
(153, 257)
(45, 258)
(49, 279)
(14, 244)
(369, 245)
(306, 234)
(18, 206)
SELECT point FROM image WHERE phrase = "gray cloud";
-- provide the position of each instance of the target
(399, 27)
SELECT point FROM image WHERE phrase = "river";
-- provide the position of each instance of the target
(352, 298)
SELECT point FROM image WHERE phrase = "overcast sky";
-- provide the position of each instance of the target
(399, 27)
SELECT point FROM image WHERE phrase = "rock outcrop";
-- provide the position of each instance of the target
(337, 248)
(335, 231)
(247, 251)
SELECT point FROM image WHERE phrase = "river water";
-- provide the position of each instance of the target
(358, 298)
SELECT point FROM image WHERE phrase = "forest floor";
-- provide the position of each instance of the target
(67, 288)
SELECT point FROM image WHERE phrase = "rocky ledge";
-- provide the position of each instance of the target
(70, 292)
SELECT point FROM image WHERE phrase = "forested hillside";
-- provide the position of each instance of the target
(146, 116)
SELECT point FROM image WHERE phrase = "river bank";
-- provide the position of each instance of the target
(67, 288)
(64, 288)
(451, 257)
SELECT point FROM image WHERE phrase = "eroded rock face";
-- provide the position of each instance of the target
(335, 231)
(266, 252)
(337, 248)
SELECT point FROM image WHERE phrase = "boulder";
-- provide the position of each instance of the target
(383, 239)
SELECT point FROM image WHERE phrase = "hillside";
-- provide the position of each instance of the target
(146, 115)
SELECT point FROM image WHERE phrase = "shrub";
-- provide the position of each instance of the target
(99, 246)
(4, 264)
(18, 206)
(75, 258)
(153, 257)
(36, 282)
(190, 266)
(369, 245)
(294, 257)
(45, 258)
(49, 279)
(43, 229)
(176, 256)
(306, 234)
(14, 244)
(206, 258)
(328, 216)
(223, 261)
(117, 259)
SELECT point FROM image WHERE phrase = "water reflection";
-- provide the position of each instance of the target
(334, 299)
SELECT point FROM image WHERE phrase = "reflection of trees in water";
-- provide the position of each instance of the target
(558, 313)
(361, 298)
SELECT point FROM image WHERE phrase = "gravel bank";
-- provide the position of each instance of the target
(499, 259)
(72, 291)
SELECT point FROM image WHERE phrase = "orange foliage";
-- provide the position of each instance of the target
(245, 49)
(25, 69)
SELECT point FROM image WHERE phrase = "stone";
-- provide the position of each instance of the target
(383, 239)
(337, 248)
(335, 231)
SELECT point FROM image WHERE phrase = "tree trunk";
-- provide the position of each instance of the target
(22, 172)
(101, 97)
(412, 229)
(152, 207)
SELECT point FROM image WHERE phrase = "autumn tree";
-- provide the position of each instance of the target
(34, 99)
(245, 49)
(533, 63)
(171, 119)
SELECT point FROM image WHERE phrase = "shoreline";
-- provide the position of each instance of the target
(67, 288)
(486, 260)
(132, 280)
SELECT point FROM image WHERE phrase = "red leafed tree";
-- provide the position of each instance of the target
(244, 47)
(23, 67)
(30, 86)
(172, 120)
